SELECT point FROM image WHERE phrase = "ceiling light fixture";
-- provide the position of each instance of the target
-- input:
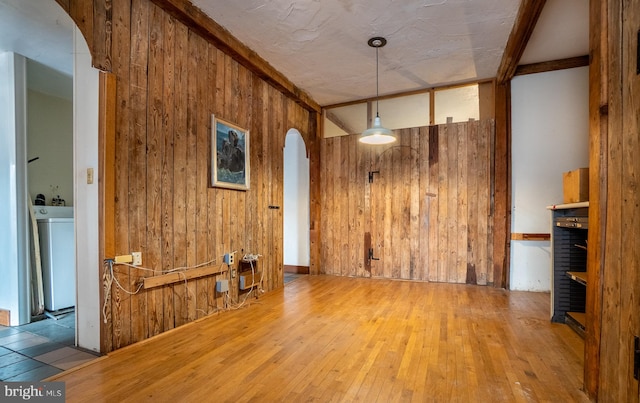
(377, 134)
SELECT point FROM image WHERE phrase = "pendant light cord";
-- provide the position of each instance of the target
(377, 90)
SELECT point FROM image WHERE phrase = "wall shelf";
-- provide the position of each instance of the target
(569, 232)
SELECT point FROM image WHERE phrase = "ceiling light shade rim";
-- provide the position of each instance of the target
(377, 42)
(377, 134)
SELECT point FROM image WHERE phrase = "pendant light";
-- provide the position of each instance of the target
(377, 134)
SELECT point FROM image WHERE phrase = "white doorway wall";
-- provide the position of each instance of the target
(14, 237)
(85, 156)
(296, 201)
(550, 135)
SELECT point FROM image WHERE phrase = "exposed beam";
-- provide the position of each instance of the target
(336, 121)
(553, 65)
(196, 20)
(526, 20)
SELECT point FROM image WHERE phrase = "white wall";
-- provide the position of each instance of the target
(550, 135)
(296, 201)
(50, 137)
(14, 215)
(85, 145)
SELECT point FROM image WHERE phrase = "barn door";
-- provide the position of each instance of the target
(394, 207)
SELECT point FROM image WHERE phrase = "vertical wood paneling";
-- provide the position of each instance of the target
(168, 117)
(354, 219)
(192, 172)
(452, 208)
(213, 300)
(154, 154)
(473, 167)
(443, 204)
(631, 199)
(118, 328)
(424, 230)
(612, 332)
(427, 211)
(433, 202)
(462, 203)
(138, 159)
(180, 296)
(169, 80)
(203, 133)
(277, 161)
(414, 267)
(484, 200)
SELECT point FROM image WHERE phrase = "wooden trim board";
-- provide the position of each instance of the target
(296, 269)
(157, 281)
(5, 317)
(518, 236)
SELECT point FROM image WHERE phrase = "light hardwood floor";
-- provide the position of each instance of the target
(328, 338)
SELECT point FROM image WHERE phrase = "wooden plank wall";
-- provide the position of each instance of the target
(169, 80)
(428, 210)
(615, 144)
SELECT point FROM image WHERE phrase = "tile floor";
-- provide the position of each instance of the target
(39, 350)
(292, 276)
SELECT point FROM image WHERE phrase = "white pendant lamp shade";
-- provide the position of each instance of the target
(377, 134)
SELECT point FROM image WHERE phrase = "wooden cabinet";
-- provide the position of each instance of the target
(569, 264)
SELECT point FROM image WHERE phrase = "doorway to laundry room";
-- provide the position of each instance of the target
(41, 335)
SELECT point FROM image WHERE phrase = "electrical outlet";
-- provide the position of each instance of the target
(233, 273)
(137, 258)
(229, 258)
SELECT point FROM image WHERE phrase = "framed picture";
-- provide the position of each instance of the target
(229, 155)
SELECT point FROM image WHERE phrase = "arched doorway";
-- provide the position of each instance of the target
(295, 207)
(85, 157)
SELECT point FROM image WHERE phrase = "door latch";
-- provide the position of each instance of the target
(371, 255)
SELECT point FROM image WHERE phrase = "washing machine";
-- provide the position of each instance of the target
(57, 254)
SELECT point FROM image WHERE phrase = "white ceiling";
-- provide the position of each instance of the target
(322, 46)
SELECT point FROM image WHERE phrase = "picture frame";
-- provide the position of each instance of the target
(229, 155)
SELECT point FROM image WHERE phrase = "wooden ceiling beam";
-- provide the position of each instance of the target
(524, 25)
(553, 65)
(196, 20)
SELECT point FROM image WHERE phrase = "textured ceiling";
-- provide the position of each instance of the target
(321, 46)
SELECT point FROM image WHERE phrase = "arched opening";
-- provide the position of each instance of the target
(295, 207)
(77, 194)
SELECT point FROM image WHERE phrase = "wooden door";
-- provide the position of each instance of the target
(394, 182)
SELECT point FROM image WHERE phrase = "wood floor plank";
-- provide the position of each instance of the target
(325, 338)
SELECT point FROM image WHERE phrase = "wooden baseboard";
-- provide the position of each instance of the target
(5, 317)
(296, 269)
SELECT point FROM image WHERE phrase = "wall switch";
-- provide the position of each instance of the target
(233, 273)
(137, 258)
